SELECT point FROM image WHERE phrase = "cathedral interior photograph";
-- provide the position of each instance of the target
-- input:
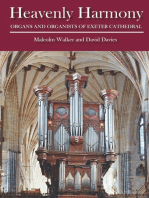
(74, 124)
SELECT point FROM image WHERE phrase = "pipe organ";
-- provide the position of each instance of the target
(75, 139)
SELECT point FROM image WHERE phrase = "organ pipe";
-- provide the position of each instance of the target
(71, 104)
(50, 112)
(93, 175)
(101, 112)
(61, 175)
(81, 114)
(109, 96)
(75, 84)
(49, 138)
(77, 181)
(43, 92)
(61, 139)
(102, 142)
(91, 140)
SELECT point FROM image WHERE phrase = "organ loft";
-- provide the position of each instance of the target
(75, 139)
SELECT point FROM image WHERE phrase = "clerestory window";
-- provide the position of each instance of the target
(142, 138)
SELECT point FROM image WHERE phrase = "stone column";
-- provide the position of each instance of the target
(43, 92)
(109, 96)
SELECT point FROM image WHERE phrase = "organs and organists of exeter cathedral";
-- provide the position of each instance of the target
(74, 124)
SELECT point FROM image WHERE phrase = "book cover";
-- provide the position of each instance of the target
(74, 99)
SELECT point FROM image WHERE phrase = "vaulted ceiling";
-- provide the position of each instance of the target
(22, 70)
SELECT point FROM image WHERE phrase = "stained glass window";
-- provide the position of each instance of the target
(142, 141)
